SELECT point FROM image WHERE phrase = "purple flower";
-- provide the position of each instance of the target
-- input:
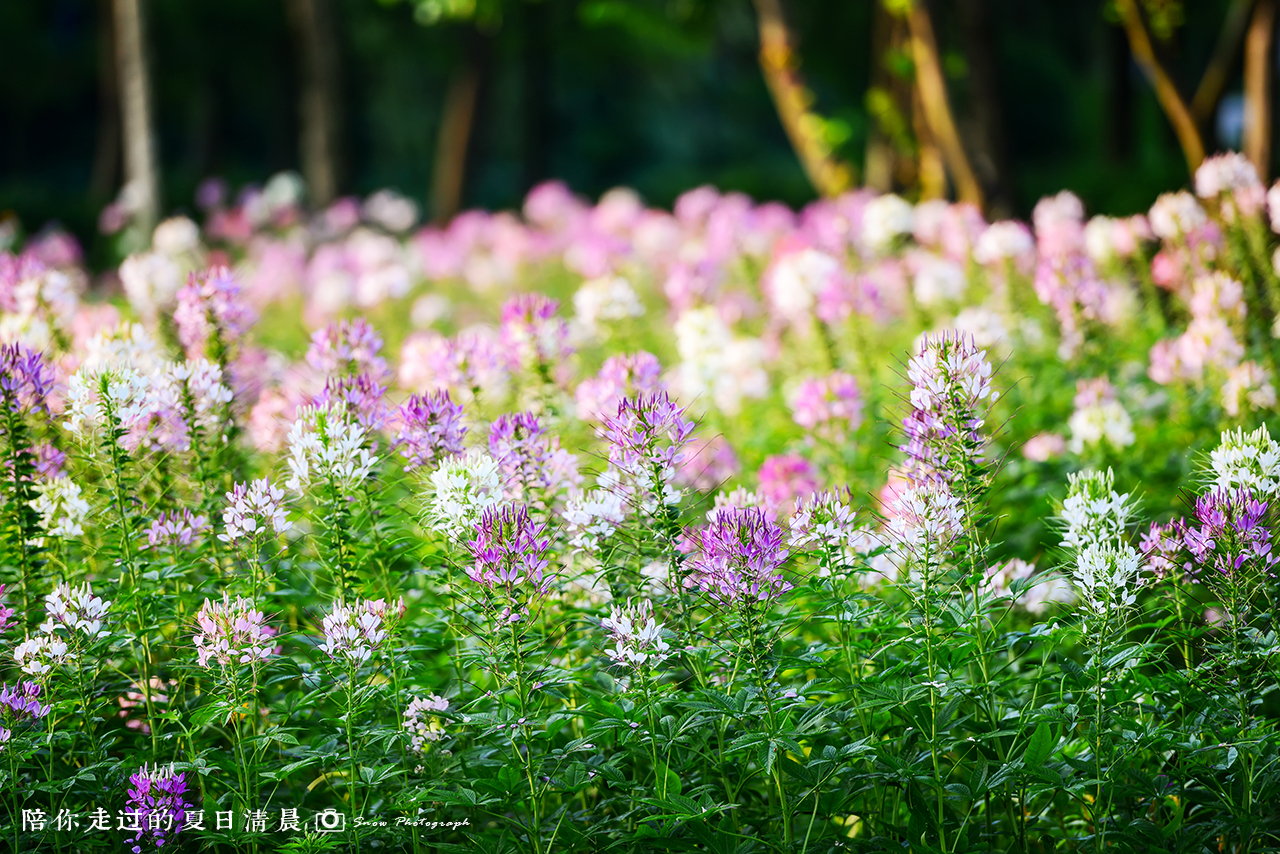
(177, 529)
(25, 379)
(361, 395)
(533, 336)
(1229, 536)
(830, 405)
(21, 703)
(6, 613)
(348, 347)
(520, 445)
(252, 509)
(211, 308)
(158, 799)
(510, 552)
(48, 461)
(737, 558)
(950, 379)
(620, 377)
(429, 428)
(1163, 548)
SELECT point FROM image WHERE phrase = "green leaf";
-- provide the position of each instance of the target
(668, 780)
(1040, 746)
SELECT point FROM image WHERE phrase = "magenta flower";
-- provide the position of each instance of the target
(738, 558)
(429, 429)
(1230, 536)
(25, 379)
(620, 377)
(786, 477)
(532, 334)
(21, 703)
(830, 405)
(348, 348)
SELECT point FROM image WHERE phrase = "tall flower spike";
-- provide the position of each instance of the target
(75, 609)
(25, 379)
(325, 444)
(212, 313)
(636, 636)
(422, 720)
(1094, 513)
(950, 389)
(510, 558)
(1248, 460)
(462, 489)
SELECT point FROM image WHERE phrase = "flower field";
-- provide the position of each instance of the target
(867, 527)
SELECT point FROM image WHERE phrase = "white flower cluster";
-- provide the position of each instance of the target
(1093, 513)
(826, 523)
(326, 444)
(716, 364)
(1107, 577)
(1176, 213)
(61, 508)
(925, 516)
(605, 298)
(201, 379)
(462, 488)
(38, 654)
(796, 280)
(1248, 383)
(1250, 460)
(352, 633)
(76, 610)
(92, 392)
(422, 721)
(593, 516)
(636, 636)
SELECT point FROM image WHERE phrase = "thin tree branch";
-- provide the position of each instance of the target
(1209, 92)
(1257, 86)
(1175, 108)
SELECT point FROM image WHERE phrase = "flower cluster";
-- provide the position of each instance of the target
(430, 429)
(353, 633)
(231, 632)
(61, 507)
(1107, 576)
(422, 720)
(462, 489)
(177, 529)
(326, 445)
(738, 559)
(19, 704)
(76, 610)
(950, 380)
(253, 509)
(158, 798)
(348, 348)
(25, 379)
(830, 405)
(1094, 513)
(646, 440)
(1246, 460)
(621, 377)
(533, 336)
(211, 313)
(509, 551)
(1230, 535)
(636, 636)
(1099, 417)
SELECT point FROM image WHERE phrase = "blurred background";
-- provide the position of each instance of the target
(469, 103)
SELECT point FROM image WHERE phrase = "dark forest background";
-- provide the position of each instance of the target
(660, 95)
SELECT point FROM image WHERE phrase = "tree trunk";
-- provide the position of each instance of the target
(1171, 101)
(1257, 87)
(988, 143)
(780, 65)
(1205, 102)
(937, 110)
(456, 125)
(320, 98)
(105, 173)
(141, 168)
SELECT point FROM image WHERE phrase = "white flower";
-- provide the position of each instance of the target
(423, 725)
(927, 516)
(253, 508)
(1252, 382)
(605, 298)
(1107, 576)
(716, 364)
(938, 280)
(61, 508)
(1176, 213)
(1103, 421)
(1093, 513)
(593, 516)
(885, 218)
(75, 609)
(151, 280)
(462, 488)
(1003, 240)
(636, 635)
(90, 393)
(39, 653)
(326, 444)
(796, 280)
(1246, 460)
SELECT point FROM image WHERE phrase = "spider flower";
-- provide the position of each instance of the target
(253, 509)
(158, 801)
(231, 632)
(738, 558)
(509, 551)
(1230, 537)
(327, 445)
(422, 720)
(951, 385)
(353, 633)
(176, 529)
(430, 429)
(636, 636)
